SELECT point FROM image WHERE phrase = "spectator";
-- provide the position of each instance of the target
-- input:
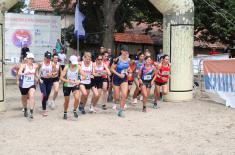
(159, 55)
(58, 46)
(54, 52)
(111, 56)
(138, 52)
(102, 49)
(62, 59)
(214, 52)
(24, 52)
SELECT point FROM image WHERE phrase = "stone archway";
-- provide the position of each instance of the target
(4, 6)
(178, 27)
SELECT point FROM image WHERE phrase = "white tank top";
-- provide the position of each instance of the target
(71, 75)
(46, 69)
(57, 68)
(99, 69)
(28, 79)
(88, 73)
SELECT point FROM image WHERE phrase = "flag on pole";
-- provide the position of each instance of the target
(79, 18)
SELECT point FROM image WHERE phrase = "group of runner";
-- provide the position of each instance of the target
(99, 77)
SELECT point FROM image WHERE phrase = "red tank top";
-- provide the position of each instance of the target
(131, 73)
(164, 71)
(107, 63)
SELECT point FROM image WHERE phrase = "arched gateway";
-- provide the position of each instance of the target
(4, 6)
(178, 27)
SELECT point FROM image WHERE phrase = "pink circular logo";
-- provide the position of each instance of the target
(21, 38)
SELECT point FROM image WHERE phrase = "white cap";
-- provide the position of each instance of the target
(73, 59)
(30, 55)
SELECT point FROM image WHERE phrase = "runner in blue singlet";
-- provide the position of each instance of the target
(120, 84)
(146, 76)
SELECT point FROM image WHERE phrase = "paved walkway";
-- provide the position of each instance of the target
(198, 127)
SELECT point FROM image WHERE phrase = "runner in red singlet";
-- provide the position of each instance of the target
(106, 80)
(162, 78)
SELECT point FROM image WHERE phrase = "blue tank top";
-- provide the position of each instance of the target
(138, 65)
(147, 73)
(122, 66)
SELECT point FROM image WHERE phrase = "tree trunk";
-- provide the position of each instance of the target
(109, 9)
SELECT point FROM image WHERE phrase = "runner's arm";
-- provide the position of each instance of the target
(83, 75)
(54, 72)
(63, 73)
(21, 68)
(155, 75)
(107, 70)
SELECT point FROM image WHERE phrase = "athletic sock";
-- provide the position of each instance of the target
(65, 115)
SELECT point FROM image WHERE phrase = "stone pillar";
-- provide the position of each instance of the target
(4, 6)
(178, 26)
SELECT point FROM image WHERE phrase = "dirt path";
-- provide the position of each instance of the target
(198, 127)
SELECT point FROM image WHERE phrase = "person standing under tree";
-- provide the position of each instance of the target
(58, 46)
(62, 59)
(159, 55)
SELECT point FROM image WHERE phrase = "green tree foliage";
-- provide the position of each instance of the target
(17, 8)
(136, 10)
(217, 20)
(209, 16)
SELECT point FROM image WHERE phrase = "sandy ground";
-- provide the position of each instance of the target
(198, 127)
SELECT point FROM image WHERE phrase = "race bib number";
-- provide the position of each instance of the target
(70, 84)
(88, 77)
(124, 71)
(147, 77)
(29, 78)
(28, 81)
(165, 73)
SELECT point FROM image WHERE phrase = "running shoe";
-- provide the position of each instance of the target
(114, 107)
(134, 101)
(120, 113)
(44, 113)
(83, 111)
(52, 105)
(104, 107)
(91, 108)
(75, 114)
(80, 107)
(155, 105)
(25, 113)
(125, 107)
(144, 109)
(30, 115)
(65, 116)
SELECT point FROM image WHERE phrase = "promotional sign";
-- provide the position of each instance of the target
(38, 32)
(219, 77)
(198, 60)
